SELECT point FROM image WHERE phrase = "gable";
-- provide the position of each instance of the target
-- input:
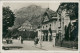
(45, 18)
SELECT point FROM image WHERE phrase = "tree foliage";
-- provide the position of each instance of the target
(8, 19)
(74, 32)
(67, 32)
(72, 9)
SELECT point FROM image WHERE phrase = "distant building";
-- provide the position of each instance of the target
(25, 26)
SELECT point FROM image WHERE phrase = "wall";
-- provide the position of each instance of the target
(47, 25)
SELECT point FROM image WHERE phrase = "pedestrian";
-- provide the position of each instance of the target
(40, 38)
(53, 39)
(19, 37)
(49, 36)
(36, 41)
(40, 41)
(21, 40)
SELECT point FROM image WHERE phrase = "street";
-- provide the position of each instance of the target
(29, 45)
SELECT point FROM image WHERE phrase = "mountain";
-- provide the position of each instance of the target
(32, 13)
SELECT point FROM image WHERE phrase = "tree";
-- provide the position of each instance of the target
(72, 9)
(66, 34)
(8, 19)
(74, 32)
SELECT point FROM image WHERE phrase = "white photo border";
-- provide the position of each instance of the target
(31, 51)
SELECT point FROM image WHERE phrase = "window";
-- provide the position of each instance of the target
(50, 24)
(43, 27)
(46, 25)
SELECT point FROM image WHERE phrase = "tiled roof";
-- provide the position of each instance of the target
(50, 13)
(26, 23)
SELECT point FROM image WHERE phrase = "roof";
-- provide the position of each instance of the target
(26, 23)
(25, 26)
(52, 15)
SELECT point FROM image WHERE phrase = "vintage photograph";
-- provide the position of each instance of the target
(46, 26)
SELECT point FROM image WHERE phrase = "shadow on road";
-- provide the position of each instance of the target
(40, 48)
(11, 47)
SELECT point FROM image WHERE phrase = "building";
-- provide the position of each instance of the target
(25, 26)
(49, 27)
(58, 26)
(54, 24)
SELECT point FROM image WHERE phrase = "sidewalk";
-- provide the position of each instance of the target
(49, 46)
(29, 45)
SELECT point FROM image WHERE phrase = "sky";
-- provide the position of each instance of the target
(17, 5)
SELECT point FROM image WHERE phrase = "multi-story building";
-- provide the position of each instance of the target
(49, 23)
(53, 24)
(49, 27)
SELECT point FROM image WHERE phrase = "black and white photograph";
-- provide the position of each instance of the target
(40, 26)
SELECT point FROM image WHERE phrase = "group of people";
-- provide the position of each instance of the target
(36, 41)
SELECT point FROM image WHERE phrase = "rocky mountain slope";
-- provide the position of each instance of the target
(32, 13)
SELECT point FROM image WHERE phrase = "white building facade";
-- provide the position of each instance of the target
(49, 27)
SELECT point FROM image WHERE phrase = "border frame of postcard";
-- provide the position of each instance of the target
(29, 1)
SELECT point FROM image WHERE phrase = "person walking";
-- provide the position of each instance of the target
(49, 36)
(40, 38)
(21, 40)
(36, 41)
(40, 43)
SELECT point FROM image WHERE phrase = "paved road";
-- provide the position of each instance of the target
(29, 45)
